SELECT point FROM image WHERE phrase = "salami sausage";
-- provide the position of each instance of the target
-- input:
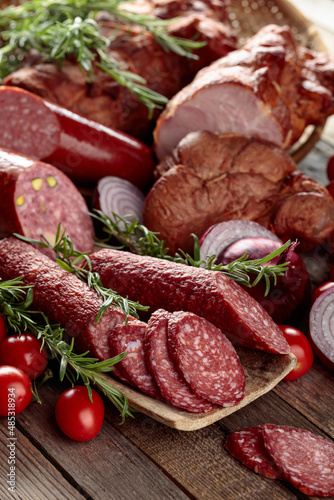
(36, 197)
(133, 368)
(212, 295)
(305, 459)
(161, 366)
(206, 359)
(61, 296)
(247, 446)
(85, 150)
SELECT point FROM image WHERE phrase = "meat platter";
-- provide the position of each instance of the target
(263, 371)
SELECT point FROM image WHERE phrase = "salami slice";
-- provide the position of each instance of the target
(61, 296)
(206, 359)
(305, 459)
(159, 283)
(161, 366)
(36, 197)
(247, 446)
(130, 338)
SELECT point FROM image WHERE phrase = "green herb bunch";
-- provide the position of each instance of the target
(57, 29)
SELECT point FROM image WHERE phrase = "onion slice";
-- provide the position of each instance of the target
(220, 236)
(113, 194)
(321, 327)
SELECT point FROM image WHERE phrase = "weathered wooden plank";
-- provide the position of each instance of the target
(35, 476)
(313, 396)
(109, 467)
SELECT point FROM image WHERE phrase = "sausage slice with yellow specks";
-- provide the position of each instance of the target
(36, 197)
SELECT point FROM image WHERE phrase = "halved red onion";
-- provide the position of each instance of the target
(220, 236)
(321, 328)
(113, 194)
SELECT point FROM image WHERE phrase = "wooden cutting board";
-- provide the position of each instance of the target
(263, 371)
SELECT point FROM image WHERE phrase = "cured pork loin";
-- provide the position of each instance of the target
(61, 296)
(106, 101)
(212, 178)
(270, 88)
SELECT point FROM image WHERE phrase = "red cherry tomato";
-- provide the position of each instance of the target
(330, 168)
(15, 393)
(77, 416)
(301, 348)
(24, 352)
(3, 331)
(321, 289)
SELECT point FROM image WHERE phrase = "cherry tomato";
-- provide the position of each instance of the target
(3, 331)
(15, 393)
(77, 416)
(24, 352)
(321, 289)
(301, 348)
(330, 168)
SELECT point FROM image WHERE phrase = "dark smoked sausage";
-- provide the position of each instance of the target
(159, 362)
(61, 296)
(174, 287)
(85, 150)
(36, 197)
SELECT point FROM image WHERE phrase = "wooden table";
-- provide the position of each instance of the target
(144, 459)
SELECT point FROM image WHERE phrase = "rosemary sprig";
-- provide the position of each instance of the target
(61, 28)
(15, 300)
(138, 239)
(79, 264)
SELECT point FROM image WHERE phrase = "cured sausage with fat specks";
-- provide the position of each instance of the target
(163, 284)
(247, 446)
(206, 359)
(130, 338)
(85, 150)
(36, 197)
(61, 296)
(161, 366)
(305, 459)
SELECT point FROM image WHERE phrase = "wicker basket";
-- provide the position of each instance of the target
(248, 16)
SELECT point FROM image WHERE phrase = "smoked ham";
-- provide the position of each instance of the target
(213, 178)
(270, 88)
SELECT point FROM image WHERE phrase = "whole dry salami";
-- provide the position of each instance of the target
(161, 366)
(160, 283)
(247, 446)
(61, 296)
(206, 359)
(305, 459)
(129, 338)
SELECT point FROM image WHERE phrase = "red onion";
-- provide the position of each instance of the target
(113, 194)
(321, 324)
(220, 236)
(291, 289)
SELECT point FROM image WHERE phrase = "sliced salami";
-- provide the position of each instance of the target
(305, 459)
(247, 446)
(160, 283)
(130, 338)
(161, 366)
(206, 359)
